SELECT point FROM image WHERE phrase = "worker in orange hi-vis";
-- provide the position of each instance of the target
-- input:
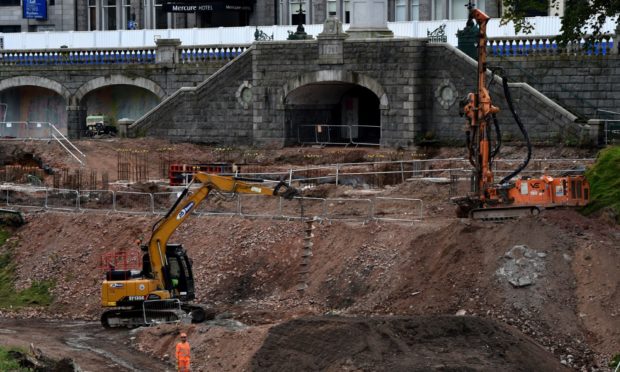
(182, 354)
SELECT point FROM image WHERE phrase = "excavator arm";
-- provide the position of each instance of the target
(190, 200)
(166, 270)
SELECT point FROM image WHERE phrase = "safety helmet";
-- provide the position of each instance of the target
(183, 334)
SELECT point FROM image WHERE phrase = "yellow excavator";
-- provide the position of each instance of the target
(166, 282)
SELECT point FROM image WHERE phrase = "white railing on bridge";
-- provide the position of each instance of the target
(245, 35)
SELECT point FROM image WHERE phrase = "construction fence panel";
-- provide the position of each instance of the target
(162, 311)
(224, 204)
(27, 197)
(302, 207)
(398, 209)
(259, 206)
(96, 200)
(133, 202)
(163, 201)
(348, 209)
(63, 199)
(313, 175)
(13, 129)
(4, 197)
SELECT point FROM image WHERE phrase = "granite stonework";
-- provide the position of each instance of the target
(389, 68)
(418, 86)
(74, 82)
(582, 84)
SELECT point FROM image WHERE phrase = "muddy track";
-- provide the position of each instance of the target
(87, 343)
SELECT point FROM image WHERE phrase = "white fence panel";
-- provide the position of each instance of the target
(402, 29)
(62, 199)
(221, 204)
(302, 207)
(259, 206)
(397, 209)
(163, 201)
(133, 202)
(96, 200)
(544, 26)
(27, 197)
(348, 209)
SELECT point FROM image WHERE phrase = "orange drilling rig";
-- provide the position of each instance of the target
(489, 199)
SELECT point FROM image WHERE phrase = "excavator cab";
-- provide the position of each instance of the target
(179, 276)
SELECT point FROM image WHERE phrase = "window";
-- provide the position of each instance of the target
(451, 9)
(400, 10)
(9, 28)
(415, 10)
(439, 9)
(161, 17)
(9, 3)
(92, 15)
(296, 16)
(109, 15)
(347, 11)
(127, 14)
(540, 8)
(459, 9)
(282, 13)
(332, 9)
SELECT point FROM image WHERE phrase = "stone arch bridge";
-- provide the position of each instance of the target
(394, 92)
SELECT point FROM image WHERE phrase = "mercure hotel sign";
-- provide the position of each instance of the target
(205, 6)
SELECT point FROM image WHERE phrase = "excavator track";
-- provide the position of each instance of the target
(131, 318)
(503, 213)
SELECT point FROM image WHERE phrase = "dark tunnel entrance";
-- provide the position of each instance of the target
(333, 113)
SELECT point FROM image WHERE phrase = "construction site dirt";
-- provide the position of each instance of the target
(537, 293)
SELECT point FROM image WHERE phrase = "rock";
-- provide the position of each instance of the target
(461, 312)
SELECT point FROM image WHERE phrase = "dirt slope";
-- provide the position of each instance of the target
(563, 268)
(440, 343)
(248, 268)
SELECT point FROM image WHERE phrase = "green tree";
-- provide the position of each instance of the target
(581, 17)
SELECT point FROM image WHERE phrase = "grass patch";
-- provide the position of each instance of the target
(8, 362)
(604, 179)
(37, 294)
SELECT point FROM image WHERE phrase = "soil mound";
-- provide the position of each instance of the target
(440, 343)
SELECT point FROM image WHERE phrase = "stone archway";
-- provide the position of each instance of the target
(333, 107)
(338, 76)
(117, 97)
(34, 99)
(36, 81)
(105, 81)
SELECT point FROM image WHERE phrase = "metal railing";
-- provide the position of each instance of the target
(611, 132)
(330, 209)
(522, 46)
(338, 134)
(64, 56)
(43, 131)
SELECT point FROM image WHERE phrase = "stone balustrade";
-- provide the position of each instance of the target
(522, 46)
(148, 55)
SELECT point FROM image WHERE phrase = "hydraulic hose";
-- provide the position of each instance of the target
(498, 136)
(523, 131)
